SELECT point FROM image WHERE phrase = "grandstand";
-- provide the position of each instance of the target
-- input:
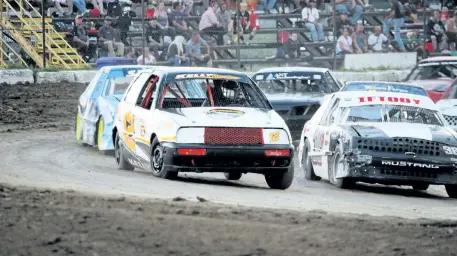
(23, 41)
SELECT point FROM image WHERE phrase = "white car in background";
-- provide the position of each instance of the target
(379, 137)
(201, 120)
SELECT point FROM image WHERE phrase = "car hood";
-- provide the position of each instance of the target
(225, 117)
(447, 107)
(434, 133)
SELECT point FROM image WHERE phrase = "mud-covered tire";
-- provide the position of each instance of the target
(233, 175)
(280, 180)
(422, 186)
(451, 190)
(156, 160)
(121, 162)
(307, 168)
(336, 162)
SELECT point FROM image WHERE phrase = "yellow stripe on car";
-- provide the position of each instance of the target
(167, 138)
(100, 132)
(78, 128)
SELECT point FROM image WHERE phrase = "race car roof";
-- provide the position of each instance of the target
(361, 98)
(292, 69)
(175, 73)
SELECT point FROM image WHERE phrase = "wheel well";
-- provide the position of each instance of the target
(114, 135)
(153, 136)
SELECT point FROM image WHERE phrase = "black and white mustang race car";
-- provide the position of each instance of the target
(379, 137)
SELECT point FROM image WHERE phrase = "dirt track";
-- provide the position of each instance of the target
(39, 222)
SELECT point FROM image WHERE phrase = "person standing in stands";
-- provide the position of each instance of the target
(81, 40)
(107, 36)
(350, 7)
(396, 18)
(210, 25)
(310, 16)
(242, 25)
(176, 20)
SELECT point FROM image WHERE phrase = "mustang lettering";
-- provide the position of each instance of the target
(409, 164)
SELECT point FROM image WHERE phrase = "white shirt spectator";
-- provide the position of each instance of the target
(377, 41)
(310, 14)
(347, 44)
(209, 19)
(149, 60)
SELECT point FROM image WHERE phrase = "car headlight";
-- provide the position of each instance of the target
(167, 131)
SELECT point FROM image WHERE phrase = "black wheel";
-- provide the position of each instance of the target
(233, 175)
(337, 164)
(280, 180)
(421, 186)
(451, 190)
(307, 165)
(122, 164)
(157, 166)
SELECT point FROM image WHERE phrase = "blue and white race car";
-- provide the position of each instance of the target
(97, 105)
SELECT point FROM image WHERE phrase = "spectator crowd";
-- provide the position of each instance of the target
(169, 38)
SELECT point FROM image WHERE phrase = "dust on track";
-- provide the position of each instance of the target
(44, 222)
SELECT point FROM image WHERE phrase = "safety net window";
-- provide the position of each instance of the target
(210, 93)
(391, 113)
(434, 70)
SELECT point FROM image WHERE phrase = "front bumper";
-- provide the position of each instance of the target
(222, 158)
(401, 171)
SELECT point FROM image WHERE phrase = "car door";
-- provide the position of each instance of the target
(142, 112)
(126, 109)
(321, 140)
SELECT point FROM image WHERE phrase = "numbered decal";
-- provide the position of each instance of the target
(129, 130)
(274, 136)
(450, 150)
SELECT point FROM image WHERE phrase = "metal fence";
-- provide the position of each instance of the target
(163, 33)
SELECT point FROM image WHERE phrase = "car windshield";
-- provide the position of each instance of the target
(384, 87)
(391, 113)
(220, 93)
(296, 83)
(434, 70)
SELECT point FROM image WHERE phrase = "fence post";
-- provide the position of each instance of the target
(43, 30)
(334, 34)
(143, 41)
(424, 26)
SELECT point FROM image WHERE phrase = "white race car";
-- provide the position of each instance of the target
(175, 120)
(379, 137)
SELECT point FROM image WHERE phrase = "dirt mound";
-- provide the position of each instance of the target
(28, 106)
(36, 222)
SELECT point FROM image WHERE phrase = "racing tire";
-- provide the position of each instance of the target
(280, 180)
(156, 160)
(335, 163)
(308, 169)
(122, 164)
(233, 175)
(422, 186)
(451, 190)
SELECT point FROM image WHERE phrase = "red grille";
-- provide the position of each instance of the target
(216, 135)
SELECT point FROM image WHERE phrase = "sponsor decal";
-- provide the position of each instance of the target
(210, 76)
(450, 150)
(409, 164)
(142, 131)
(317, 163)
(388, 99)
(224, 113)
(274, 136)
